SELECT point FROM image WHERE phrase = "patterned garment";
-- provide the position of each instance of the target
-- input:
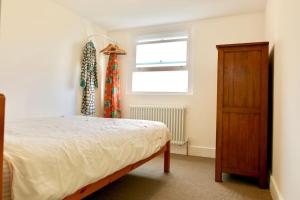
(112, 89)
(88, 80)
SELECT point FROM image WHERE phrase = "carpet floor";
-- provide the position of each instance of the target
(191, 178)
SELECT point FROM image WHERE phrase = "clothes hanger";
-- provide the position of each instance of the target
(113, 49)
(107, 48)
(120, 50)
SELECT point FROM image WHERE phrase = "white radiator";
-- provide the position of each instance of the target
(173, 117)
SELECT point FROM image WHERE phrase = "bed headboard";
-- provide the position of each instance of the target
(2, 117)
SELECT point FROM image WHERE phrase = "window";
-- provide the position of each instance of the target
(161, 65)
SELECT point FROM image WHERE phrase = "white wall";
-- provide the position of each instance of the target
(283, 31)
(201, 105)
(40, 50)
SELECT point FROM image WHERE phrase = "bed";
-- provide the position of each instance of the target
(72, 157)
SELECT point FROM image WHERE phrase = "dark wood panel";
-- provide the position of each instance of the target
(218, 165)
(263, 140)
(242, 79)
(242, 110)
(240, 146)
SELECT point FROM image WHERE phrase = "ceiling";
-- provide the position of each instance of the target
(122, 14)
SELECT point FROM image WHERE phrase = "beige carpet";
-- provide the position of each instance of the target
(191, 178)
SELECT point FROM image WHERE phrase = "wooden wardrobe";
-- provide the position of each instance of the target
(242, 111)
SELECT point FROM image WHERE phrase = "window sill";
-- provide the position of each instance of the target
(161, 93)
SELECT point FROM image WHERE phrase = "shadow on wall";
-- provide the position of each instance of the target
(74, 75)
(75, 65)
(271, 95)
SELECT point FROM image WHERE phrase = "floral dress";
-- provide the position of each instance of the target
(112, 89)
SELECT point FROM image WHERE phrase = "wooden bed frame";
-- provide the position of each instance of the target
(91, 188)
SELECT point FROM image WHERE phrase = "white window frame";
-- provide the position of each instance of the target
(187, 67)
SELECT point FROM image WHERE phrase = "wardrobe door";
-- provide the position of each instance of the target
(241, 114)
(241, 117)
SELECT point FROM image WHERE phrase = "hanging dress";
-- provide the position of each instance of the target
(88, 80)
(112, 89)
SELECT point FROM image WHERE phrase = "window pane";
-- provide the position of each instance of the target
(162, 81)
(161, 54)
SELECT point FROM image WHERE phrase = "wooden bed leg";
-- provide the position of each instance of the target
(167, 158)
(2, 117)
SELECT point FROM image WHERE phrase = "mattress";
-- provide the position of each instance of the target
(52, 158)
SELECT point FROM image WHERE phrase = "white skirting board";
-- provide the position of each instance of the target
(207, 152)
(275, 193)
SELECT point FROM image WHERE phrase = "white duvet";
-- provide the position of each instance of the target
(54, 157)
